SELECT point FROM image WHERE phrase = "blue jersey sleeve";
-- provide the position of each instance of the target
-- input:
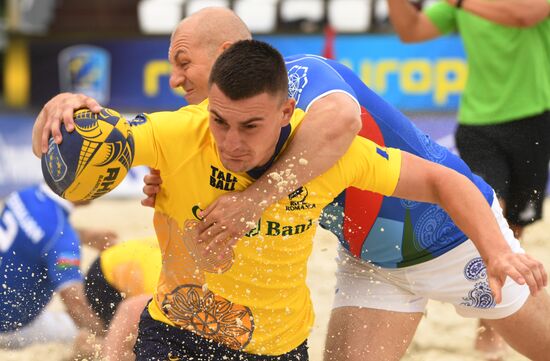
(62, 258)
(310, 77)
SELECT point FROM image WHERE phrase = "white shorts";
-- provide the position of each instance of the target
(458, 277)
(49, 326)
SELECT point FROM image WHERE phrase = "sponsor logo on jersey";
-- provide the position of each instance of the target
(274, 228)
(138, 120)
(297, 80)
(222, 180)
(195, 210)
(298, 200)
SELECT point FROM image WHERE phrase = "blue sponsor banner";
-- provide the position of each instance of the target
(414, 77)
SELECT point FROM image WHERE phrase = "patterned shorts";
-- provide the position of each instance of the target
(458, 277)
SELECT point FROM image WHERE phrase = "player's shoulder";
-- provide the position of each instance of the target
(303, 65)
(40, 213)
(198, 112)
(189, 122)
(311, 58)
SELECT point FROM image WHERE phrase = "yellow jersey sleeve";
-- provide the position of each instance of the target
(371, 167)
(165, 139)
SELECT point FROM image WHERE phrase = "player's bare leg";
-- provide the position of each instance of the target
(517, 229)
(528, 330)
(489, 343)
(366, 334)
(121, 337)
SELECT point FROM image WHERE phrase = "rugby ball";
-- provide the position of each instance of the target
(91, 160)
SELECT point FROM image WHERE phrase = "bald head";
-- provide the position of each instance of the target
(214, 26)
(195, 45)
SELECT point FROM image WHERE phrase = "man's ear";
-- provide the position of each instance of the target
(224, 46)
(288, 109)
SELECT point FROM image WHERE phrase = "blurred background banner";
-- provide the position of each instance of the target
(420, 77)
(85, 69)
(413, 77)
(138, 76)
(18, 166)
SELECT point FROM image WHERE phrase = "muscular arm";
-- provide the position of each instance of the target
(425, 181)
(78, 308)
(325, 134)
(517, 13)
(409, 23)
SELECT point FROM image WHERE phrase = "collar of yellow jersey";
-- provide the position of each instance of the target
(283, 137)
(204, 104)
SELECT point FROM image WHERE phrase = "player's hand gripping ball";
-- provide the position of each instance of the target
(93, 159)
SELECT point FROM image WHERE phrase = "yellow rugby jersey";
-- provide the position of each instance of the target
(257, 300)
(132, 267)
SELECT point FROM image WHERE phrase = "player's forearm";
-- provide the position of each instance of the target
(470, 211)
(78, 308)
(405, 18)
(323, 137)
(517, 13)
(37, 129)
(425, 181)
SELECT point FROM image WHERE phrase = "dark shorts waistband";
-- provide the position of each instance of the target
(159, 341)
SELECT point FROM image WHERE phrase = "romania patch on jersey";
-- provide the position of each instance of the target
(67, 260)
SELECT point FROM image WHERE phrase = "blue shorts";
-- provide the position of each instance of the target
(159, 341)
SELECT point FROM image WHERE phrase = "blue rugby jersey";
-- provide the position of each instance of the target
(386, 231)
(39, 254)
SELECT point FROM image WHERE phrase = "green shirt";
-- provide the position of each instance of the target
(508, 67)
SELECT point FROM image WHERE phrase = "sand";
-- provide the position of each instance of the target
(442, 335)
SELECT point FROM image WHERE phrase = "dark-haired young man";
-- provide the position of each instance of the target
(254, 304)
